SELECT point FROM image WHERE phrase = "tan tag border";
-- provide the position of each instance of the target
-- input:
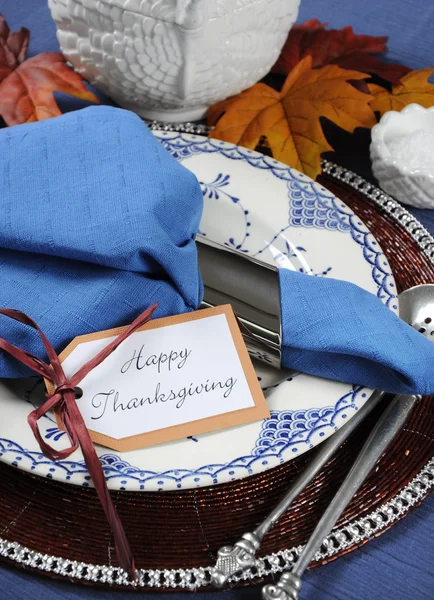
(257, 412)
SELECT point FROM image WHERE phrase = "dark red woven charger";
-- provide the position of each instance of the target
(184, 529)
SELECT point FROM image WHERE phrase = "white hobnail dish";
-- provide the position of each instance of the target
(171, 59)
(398, 175)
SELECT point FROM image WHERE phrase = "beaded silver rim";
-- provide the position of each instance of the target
(416, 230)
(340, 539)
(191, 579)
(195, 128)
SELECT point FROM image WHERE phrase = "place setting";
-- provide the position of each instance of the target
(217, 360)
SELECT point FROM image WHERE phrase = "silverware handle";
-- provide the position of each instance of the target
(381, 436)
(325, 452)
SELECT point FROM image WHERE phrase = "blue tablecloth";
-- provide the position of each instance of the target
(399, 564)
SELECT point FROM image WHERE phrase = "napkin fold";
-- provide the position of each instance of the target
(337, 330)
(97, 222)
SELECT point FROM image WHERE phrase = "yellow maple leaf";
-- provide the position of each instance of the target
(290, 119)
(414, 87)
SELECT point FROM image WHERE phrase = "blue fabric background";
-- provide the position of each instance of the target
(408, 23)
(398, 565)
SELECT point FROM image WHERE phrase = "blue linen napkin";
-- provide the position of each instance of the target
(97, 222)
(337, 330)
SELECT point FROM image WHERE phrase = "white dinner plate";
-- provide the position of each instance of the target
(262, 208)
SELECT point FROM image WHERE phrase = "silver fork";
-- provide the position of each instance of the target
(417, 309)
(383, 433)
(242, 555)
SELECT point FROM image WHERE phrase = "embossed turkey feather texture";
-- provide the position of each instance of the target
(169, 54)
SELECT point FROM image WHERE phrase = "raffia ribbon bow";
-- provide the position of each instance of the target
(64, 400)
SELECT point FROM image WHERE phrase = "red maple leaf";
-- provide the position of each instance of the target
(13, 47)
(340, 47)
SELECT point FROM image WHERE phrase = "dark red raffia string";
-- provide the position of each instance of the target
(63, 398)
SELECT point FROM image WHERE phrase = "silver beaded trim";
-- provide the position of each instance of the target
(192, 579)
(196, 128)
(417, 231)
(339, 540)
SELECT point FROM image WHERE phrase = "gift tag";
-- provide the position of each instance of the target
(175, 377)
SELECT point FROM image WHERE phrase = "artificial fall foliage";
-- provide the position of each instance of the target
(414, 87)
(326, 76)
(340, 47)
(327, 73)
(13, 48)
(290, 119)
(27, 86)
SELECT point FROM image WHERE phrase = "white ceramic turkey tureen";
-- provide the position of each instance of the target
(172, 59)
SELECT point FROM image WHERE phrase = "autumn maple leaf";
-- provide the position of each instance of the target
(290, 119)
(27, 86)
(336, 46)
(414, 87)
(13, 47)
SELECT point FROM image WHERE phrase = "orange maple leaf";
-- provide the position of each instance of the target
(340, 47)
(26, 94)
(414, 87)
(27, 86)
(290, 119)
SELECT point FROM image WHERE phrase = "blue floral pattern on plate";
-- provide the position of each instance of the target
(214, 191)
(294, 430)
(310, 204)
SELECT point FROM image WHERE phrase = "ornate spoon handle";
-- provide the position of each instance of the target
(242, 555)
(381, 436)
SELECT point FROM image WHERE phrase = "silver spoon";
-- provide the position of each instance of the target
(414, 309)
(417, 309)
